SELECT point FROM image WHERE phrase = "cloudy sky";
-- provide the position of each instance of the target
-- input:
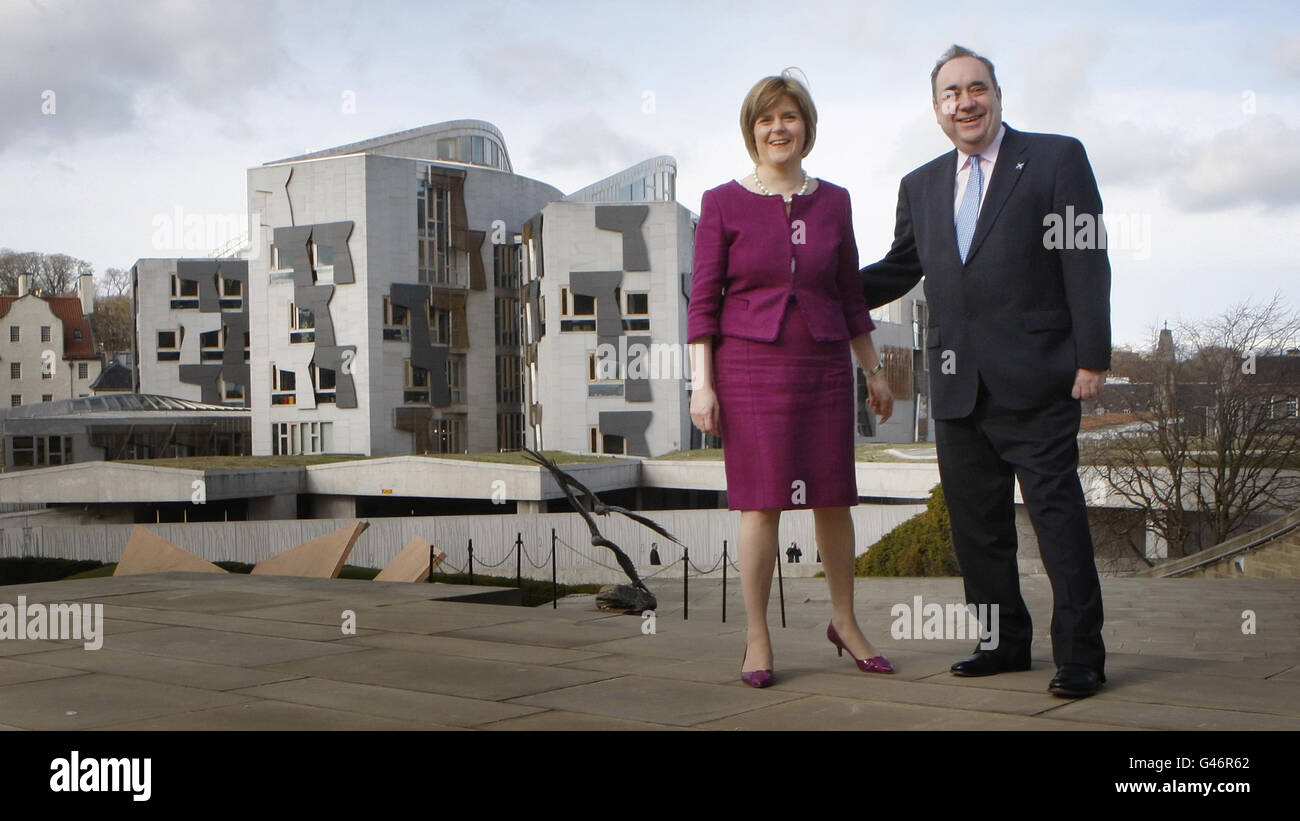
(114, 113)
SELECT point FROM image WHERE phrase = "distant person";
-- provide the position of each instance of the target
(775, 308)
(654, 553)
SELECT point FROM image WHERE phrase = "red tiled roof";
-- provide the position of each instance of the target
(68, 309)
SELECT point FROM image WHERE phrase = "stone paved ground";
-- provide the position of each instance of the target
(195, 651)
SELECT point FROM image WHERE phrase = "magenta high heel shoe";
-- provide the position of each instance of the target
(875, 664)
(755, 678)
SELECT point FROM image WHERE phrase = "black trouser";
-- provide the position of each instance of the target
(979, 457)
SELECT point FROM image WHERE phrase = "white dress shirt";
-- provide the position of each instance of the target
(988, 158)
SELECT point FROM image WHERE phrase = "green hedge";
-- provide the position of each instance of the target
(35, 569)
(921, 546)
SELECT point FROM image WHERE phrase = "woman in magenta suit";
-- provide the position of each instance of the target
(775, 307)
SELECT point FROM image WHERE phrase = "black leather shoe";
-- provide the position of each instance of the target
(1076, 681)
(987, 664)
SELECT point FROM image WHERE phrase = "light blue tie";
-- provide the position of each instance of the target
(970, 207)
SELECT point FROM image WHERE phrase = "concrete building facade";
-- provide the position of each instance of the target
(383, 295)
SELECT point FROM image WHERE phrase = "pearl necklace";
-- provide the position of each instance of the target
(803, 189)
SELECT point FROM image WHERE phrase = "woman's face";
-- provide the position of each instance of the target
(779, 133)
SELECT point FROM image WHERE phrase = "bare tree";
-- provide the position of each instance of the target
(57, 274)
(114, 325)
(1215, 441)
(13, 263)
(114, 282)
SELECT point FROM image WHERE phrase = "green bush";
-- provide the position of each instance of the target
(921, 546)
(34, 569)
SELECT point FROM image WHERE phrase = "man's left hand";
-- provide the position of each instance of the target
(1087, 384)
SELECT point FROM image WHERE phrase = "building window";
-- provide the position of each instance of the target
(439, 326)
(507, 321)
(394, 330)
(210, 345)
(456, 378)
(433, 212)
(38, 451)
(47, 397)
(231, 391)
(448, 435)
(15, 400)
(294, 438)
(13, 333)
(510, 389)
(637, 312)
(83, 370)
(638, 304)
(232, 287)
(325, 382)
(45, 333)
(606, 442)
(185, 293)
(47, 373)
(506, 265)
(577, 305)
(302, 324)
(283, 387)
(76, 333)
(15, 370)
(1292, 407)
(416, 387)
(168, 349)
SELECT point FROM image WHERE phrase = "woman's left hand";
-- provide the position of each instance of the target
(880, 398)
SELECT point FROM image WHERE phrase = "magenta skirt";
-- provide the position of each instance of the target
(787, 419)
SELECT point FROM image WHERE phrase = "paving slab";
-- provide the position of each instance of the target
(661, 701)
(424, 617)
(552, 632)
(834, 713)
(450, 675)
(95, 700)
(17, 671)
(472, 648)
(388, 702)
(164, 669)
(562, 721)
(1169, 717)
(232, 624)
(197, 601)
(936, 692)
(224, 648)
(273, 715)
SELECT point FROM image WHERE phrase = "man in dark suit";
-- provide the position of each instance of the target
(1018, 334)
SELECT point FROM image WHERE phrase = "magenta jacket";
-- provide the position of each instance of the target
(750, 259)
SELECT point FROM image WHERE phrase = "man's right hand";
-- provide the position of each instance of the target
(704, 410)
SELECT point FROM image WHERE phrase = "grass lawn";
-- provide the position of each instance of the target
(242, 462)
(872, 452)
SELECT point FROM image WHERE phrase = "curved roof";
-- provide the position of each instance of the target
(114, 403)
(451, 128)
(611, 184)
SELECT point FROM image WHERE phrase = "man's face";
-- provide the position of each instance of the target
(967, 104)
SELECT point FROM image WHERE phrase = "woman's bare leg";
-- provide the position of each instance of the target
(758, 552)
(834, 528)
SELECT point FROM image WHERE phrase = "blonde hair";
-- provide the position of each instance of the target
(764, 95)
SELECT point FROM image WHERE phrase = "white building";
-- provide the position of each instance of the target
(383, 295)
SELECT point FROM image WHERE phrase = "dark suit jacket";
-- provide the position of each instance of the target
(1022, 316)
